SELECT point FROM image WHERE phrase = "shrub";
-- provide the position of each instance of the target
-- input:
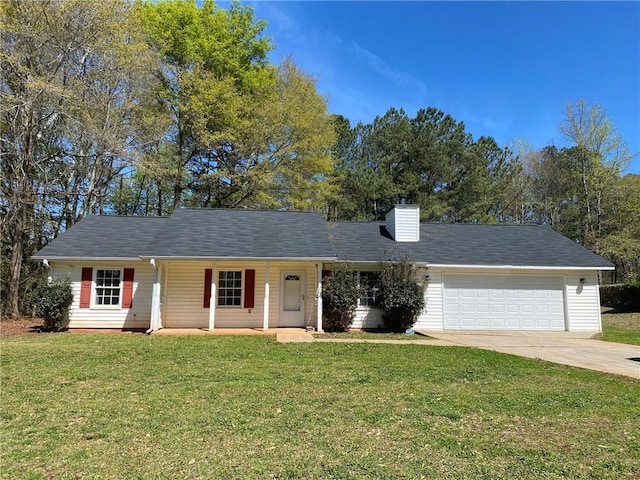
(339, 299)
(401, 296)
(621, 297)
(53, 305)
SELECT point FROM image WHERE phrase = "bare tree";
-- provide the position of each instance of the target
(72, 72)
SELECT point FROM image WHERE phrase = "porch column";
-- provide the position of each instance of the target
(265, 314)
(214, 297)
(319, 297)
(155, 297)
(159, 269)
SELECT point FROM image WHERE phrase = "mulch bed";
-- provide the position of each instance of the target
(20, 326)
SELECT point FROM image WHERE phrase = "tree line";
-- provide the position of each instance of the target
(139, 108)
(577, 190)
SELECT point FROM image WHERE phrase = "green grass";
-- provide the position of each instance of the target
(370, 335)
(621, 327)
(131, 406)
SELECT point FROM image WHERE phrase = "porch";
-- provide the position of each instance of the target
(238, 297)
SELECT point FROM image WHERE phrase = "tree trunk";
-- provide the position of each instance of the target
(13, 292)
(159, 187)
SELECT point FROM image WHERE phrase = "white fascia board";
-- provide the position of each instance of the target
(360, 262)
(88, 259)
(512, 267)
(496, 267)
(236, 259)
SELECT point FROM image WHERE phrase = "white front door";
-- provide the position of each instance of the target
(292, 299)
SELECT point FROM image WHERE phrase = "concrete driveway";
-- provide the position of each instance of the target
(567, 348)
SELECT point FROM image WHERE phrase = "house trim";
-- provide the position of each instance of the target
(91, 259)
(501, 267)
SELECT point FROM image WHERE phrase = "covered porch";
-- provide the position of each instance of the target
(224, 295)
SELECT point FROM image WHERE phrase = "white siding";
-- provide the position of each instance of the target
(138, 316)
(583, 307)
(431, 317)
(390, 219)
(403, 223)
(184, 295)
(367, 317)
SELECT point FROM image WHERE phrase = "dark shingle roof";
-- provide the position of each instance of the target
(236, 233)
(105, 236)
(465, 244)
(191, 233)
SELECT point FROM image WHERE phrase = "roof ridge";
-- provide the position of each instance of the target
(222, 209)
(486, 224)
(373, 222)
(92, 215)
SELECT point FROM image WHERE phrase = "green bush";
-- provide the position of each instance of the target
(401, 296)
(53, 305)
(339, 299)
(621, 296)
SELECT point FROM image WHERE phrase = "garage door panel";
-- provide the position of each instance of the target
(499, 323)
(497, 294)
(487, 302)
(499, 309)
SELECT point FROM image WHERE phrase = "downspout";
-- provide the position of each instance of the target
(45, 262)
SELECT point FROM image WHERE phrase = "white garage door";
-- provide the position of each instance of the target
(503, 302)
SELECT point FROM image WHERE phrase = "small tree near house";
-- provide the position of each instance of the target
(340, 294)
(402, 297)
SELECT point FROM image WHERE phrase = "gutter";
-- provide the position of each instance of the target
(236, 259)
(494, 267)
(84, 259)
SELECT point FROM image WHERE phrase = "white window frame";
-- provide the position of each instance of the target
(94, 289)
(220, 288)
(360, 304)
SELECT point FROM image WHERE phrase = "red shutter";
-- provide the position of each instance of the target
(249, 288)
(207, 288)
(85, 287)
(127, 288)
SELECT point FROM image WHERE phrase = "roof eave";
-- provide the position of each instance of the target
(84, 259)
(517, 267)
(211, 258)
(496, 267)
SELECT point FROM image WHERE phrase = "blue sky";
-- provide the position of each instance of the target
(506, 69)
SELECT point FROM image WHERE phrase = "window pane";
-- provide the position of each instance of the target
(107, 287)
(230, 288)
(370, 288)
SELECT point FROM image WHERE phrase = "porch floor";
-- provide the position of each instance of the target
(229, 331)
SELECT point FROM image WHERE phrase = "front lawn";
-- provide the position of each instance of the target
(131, 406)
(370, 335)
(621, 327)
